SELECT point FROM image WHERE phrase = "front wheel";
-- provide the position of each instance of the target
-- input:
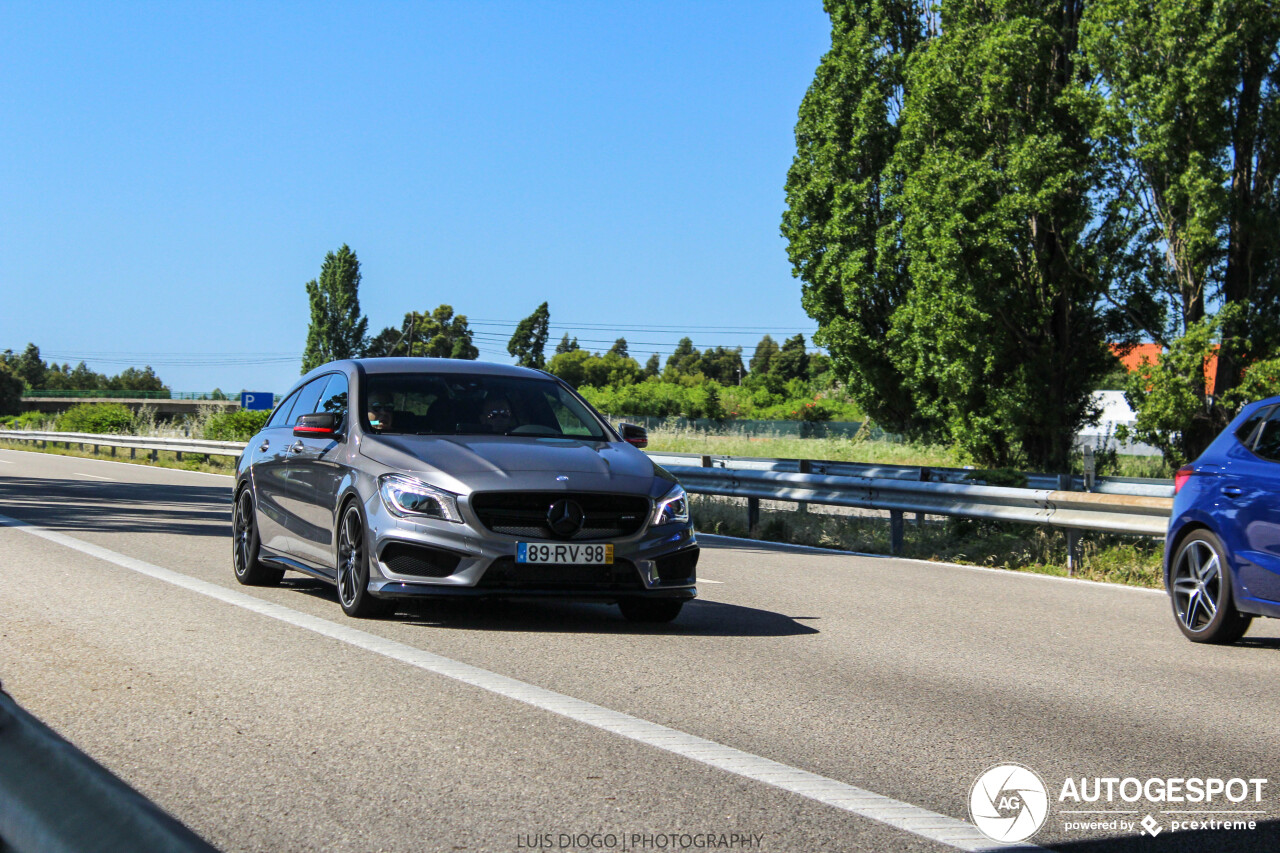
(353, 569)
(650, 609)
(246, 545)
(1200, 586)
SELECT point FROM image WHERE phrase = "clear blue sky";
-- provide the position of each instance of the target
(172, 174)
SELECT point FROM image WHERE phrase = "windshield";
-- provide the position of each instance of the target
(468, 404)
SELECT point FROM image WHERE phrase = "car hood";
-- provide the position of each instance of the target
(476, 463)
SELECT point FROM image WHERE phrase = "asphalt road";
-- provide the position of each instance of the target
(243, 714)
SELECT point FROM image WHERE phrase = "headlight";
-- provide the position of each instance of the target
(404, 496)
(673, 507)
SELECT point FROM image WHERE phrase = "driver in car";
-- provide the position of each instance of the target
(381, 412)
(498, 415)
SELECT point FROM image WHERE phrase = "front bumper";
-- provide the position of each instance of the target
(434, 559)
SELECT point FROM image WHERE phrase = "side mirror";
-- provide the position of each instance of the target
(636, 436)
(317, 425)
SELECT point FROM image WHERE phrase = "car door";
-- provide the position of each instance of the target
(269, 472)
(1250, 502)
(316, 471)
(283, 506)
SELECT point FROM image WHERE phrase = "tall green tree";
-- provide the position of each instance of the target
(1189, 92)
(529, 341)
(1001, 337)
(683, 360)
(842, 222)
(11, 388)
(337, 327)
(620, 348)
(652, 367)
(439, 334)
(791, 361)
(566, 345)
(764, 353)
(29, 368)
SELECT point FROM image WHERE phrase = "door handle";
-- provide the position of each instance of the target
(1232, 491)
(297, 447)
(262, 448)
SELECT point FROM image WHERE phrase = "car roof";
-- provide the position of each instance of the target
(444, 365)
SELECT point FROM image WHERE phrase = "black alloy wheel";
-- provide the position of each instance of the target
(352, 574)
(245, 545)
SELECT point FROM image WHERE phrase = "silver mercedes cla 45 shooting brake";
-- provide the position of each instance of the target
(397, 478)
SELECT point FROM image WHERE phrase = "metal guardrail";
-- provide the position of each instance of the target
(915, 473)
(896, 489)
(56, 799)
(108, 393)
(133, 442)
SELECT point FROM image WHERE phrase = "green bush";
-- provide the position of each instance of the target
(237, 425)
(28, 420)
(97, 417)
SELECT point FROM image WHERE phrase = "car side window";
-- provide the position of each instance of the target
(308, 397)
(334, 398)
(1248, 430)
(1267, 444)
(281, 414)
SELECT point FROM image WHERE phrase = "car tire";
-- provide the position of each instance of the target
(246, 545)
(650, 609)
(1200, 589)
(352, 575)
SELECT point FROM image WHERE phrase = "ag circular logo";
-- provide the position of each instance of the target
(1008, 803)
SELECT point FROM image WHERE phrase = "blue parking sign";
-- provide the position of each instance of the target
(257, 400)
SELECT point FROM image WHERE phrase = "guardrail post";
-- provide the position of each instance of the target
(179, 455)
(113, 450)
(806, 467)
(155, 455)
(95, 450)
(1089, 470)
(133, 453)
(706, 461)
(926, 474)
(895, 532)
(1065, 482)
(753, 515)
(1073, 551)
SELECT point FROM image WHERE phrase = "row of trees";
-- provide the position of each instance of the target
(781, 381)
(34, 373)
(989, 194)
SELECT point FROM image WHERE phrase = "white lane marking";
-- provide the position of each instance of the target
(708, 580)
(94, 476)
(930, 825)
(813, 549)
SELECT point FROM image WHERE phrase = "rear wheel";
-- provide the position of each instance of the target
(353, 568)
(1200, 586)
(650, 609)
(245, 545)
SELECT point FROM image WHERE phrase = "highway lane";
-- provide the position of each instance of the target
(904, 678)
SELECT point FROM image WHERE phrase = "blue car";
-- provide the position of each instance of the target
(1222, 554)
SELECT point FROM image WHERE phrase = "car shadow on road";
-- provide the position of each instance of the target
(1264, 839)
(111, 507)
(698, 618)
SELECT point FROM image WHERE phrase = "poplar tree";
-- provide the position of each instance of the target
(529, 341)
(337, 327)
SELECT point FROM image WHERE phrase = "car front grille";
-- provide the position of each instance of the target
(506, 573)
(524, 514)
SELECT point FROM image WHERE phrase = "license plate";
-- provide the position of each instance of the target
(564, 554)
